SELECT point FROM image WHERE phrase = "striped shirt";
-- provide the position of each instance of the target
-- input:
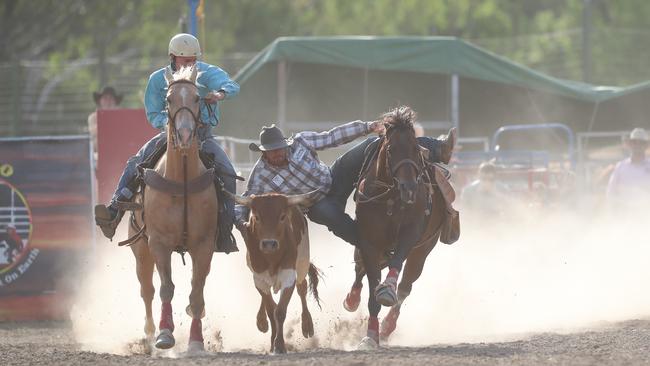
(304, 172)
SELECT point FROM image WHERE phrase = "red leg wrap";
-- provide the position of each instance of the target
(373, 328)
(196, 332)
(166, 317)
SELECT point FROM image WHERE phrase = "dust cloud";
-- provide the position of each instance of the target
(533, 270)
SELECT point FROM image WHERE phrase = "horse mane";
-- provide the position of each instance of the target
(185, 73)
(401, 117)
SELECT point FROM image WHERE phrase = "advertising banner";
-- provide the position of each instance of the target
(46, 224)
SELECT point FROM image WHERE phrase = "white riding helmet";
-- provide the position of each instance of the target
(185, 45)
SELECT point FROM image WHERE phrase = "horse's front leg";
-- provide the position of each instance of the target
(163, 258)
(386, 293)
(353, 298)
(373, 273)
(412, 271)
(144, 265)
(201, 258)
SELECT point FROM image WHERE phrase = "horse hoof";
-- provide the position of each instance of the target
(351, 302)
(368, 344)
(188, 311)
(195, 347)
(165, 339)
(279, 351)
(307, 326)
(386, 295)
(262, 325)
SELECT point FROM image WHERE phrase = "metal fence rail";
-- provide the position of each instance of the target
(37, 98)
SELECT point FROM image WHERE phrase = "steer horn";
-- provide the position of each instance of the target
(246, 201)
(304, 199)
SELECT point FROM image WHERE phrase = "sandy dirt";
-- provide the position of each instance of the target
(624, 343)
(503, 295)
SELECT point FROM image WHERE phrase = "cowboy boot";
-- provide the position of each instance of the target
(225, 240)
(446, 146)
(108, 218)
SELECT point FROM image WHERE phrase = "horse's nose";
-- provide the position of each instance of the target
(407, 192)
(185, 135)
(268, 245)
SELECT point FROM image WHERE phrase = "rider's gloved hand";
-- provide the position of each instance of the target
(377, 126)
(215, 96)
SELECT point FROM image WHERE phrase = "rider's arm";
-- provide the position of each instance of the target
(154, 100)
(336, 136)
(218, 80)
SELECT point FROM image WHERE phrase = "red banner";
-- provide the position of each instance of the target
(120, 134)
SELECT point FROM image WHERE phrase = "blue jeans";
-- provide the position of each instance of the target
(330, 211)
(223, 167)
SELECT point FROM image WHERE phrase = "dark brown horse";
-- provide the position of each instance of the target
(400, 212)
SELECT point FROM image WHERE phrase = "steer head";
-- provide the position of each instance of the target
(271, 217)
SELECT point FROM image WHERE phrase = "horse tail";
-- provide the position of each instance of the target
(315, 275)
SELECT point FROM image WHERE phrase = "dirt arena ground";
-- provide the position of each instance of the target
(503, 295)
(624, 343)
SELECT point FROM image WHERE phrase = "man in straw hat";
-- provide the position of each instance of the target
(292, 166)
(214, 85)
(630, 180)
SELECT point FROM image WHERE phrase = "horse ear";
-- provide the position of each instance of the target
(306, 199)
(169, 76)
(194, 73)
(245, 201)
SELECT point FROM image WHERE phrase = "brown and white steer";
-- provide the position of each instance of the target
(277, 240)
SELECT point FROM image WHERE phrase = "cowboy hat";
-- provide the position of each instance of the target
(271, 138)
(107, 90)
(638, 134)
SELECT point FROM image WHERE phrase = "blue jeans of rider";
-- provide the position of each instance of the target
(209, 144)
(330, 211)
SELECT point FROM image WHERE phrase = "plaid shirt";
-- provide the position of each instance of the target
(304, 172)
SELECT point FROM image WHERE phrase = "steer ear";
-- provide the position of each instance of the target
(245, 201)
(306, 199)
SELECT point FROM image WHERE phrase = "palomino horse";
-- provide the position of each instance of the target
(180, 213)
(400, 214)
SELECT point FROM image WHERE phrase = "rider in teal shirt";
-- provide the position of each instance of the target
(211, 78)
(214, 85)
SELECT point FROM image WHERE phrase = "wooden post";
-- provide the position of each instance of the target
(282, 94)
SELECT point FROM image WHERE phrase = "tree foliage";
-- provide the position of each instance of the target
(546, 35)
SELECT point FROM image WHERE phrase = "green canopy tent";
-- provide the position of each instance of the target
(316, 82)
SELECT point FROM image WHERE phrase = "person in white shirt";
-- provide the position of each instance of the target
(629, 184)
(486, 195)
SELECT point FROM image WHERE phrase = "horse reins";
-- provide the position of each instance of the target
(172, 118)
(181, 249)
(392, 170)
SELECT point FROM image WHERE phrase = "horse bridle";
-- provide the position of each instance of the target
(172, 118)
(403, 162)
(419, 168)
